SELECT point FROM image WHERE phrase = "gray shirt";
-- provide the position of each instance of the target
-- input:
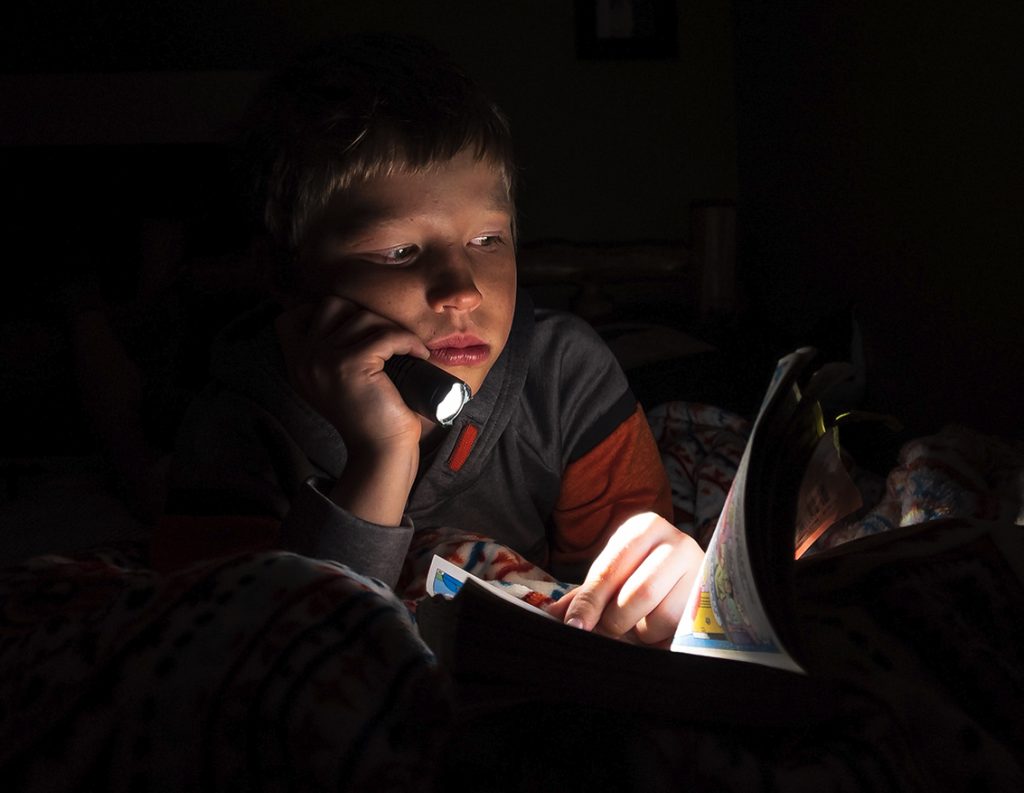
(250, 445)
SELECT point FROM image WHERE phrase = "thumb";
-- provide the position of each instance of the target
(586, 607)
(558, 608)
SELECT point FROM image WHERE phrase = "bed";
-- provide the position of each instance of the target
(271, 671)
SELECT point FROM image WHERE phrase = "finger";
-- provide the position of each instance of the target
(400, 342)
(558, 608)
(654, 579)
(645, 588)
(660, 625)
(376, 344)
(333, 311)
(310, 358)
(661, 622)
(623, 553)
(349, 326)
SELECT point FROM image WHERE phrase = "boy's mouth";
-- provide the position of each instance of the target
(459, 350)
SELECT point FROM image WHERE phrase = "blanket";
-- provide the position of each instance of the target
(258, 672)
(271, 671)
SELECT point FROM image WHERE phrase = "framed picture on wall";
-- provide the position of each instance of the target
(612, 29)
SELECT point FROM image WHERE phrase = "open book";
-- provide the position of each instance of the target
(789, 487)
(759, 613)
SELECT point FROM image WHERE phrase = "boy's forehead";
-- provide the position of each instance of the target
(395, 196)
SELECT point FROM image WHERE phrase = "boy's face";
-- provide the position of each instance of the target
(430, 251)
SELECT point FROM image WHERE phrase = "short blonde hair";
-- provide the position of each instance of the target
(355, 109)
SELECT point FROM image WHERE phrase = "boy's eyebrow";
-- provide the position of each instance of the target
(361, 215)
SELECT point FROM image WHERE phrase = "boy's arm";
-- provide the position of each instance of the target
(620, 477)
(615, 506)
(314, 526)
(335, 354)
(240, 483)
(317, 527)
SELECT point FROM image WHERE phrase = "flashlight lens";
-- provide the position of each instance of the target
(453, 402)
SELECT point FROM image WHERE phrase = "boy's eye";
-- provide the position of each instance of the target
(487, 240)
(399, 255)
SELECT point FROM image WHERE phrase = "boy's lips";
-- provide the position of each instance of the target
(459, 350)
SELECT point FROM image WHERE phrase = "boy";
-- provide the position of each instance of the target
(387, 192)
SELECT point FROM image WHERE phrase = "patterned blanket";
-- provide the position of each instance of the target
(260, 672)
(272, 672)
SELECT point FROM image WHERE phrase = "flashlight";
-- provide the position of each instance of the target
(426, 389)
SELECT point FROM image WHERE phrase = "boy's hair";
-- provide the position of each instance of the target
(352, 110)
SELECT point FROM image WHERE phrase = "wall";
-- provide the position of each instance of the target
(610, 150)
(115, 112)
(881, 168)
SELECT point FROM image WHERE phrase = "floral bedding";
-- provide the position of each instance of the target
(275, 672)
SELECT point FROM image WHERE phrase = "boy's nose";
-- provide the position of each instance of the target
(452, 286)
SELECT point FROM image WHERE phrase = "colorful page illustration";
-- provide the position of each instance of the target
(725, 615)
(446, 579)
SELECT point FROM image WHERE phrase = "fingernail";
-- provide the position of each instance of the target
(574, 622)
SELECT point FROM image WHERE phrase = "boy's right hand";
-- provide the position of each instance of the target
(335, 354)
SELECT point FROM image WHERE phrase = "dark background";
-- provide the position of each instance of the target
(874, 156)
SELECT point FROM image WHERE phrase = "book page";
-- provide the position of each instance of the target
(827, 493)
(725, 615)
(446, 579)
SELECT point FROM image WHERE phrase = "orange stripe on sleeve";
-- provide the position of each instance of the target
(620, 477)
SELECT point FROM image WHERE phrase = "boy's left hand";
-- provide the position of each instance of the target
(639, 583)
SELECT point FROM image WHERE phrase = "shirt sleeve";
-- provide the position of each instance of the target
(619, 477)
(240, 483)
(319, 528)
(315, 527)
